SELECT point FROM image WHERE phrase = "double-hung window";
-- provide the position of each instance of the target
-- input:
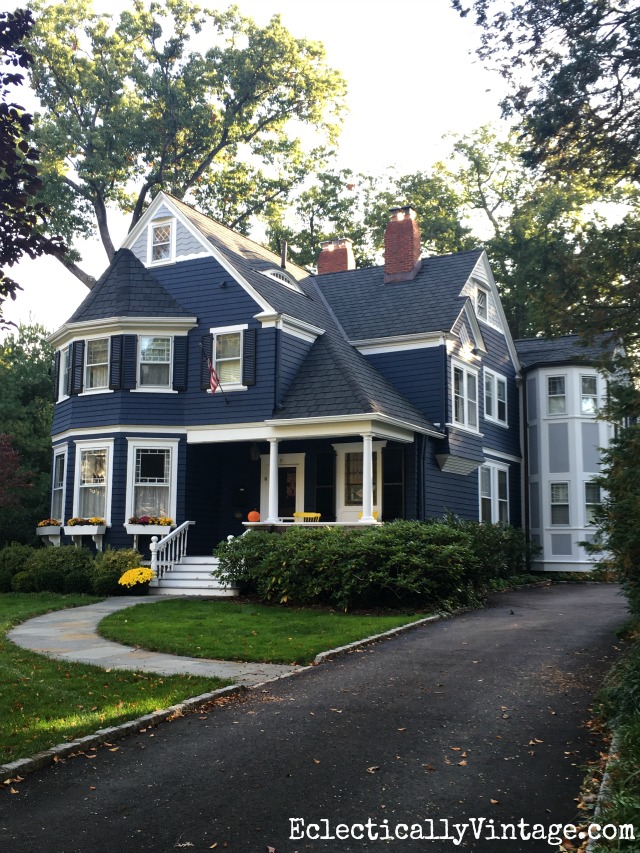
(592, 502)
(494, 494)
(559, 503)
(57, 486)
(588, 395)
(154, 367)
(227, 349)
(64, 378)
(495, 397)
(161, 242)
(152, 481)
(92, 480)
(556, 395)
(96, 374)
(465, 397)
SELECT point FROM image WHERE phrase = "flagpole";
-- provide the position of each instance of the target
(212, 371)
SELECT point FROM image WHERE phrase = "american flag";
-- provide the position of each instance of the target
(214, 380)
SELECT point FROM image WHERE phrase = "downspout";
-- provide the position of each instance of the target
(524, 438)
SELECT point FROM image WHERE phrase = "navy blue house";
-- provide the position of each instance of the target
(362, 395)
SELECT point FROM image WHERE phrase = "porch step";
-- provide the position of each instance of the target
(192, 576)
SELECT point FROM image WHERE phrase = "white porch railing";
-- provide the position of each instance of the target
(169, 550)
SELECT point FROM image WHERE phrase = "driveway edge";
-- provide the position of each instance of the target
(24, 766)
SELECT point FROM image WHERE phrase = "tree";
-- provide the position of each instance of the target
(574, 70)
(26, 408)
(20, 215)
(129, 108)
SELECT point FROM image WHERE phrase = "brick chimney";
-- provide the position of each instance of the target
(402, 245)
(336, 256)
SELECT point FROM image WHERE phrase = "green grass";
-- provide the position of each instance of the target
(44, 702)
(229, 630)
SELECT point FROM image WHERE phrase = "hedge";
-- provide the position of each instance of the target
(401, 563)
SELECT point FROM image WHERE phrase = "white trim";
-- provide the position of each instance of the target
(291, 325)
(62, 387)
(284, 460)
(498, 454)
(158, 223)
(494, 469)
(547, 412)
(346, 512)
(60, 450)
(70, 332)
(161, 388)
(400, 343)
(475, 327)
(93, 444)
(136, 443)
(108, 430)
(466, 369)
(282, 277)
(483, 261)
(228, 330)
(495, 378)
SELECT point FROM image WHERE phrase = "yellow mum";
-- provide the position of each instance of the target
(133, 577)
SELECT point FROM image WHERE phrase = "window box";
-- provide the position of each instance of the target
(148, 529)
(52, 534)
(77, 531)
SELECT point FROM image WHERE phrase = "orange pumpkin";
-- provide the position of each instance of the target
(254, 515)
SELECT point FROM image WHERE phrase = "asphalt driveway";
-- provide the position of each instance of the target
(482, 715)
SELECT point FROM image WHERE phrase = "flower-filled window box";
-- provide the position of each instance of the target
(78, 527)
(148, 525)
(49, 529)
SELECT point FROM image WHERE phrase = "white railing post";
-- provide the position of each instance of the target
(153, 547)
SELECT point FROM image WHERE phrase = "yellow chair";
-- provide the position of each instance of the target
(375, 514)
(305, 517)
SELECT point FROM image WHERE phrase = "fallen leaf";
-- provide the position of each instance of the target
(12, 791)
(402, 730)
(456, 748)
(114, 748)
(92, 787)
(271, 850)
(429, 767)
(316, 761)
(373, 769)
(213, 846)
(462, 763)
(337, 710)
(494, 802)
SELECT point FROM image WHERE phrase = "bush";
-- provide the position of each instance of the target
(12, 560)
(501, 551)
(109, 568)
(402, 563)
(64, 569)
(23, 582)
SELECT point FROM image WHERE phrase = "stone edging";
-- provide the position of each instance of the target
(23, 766)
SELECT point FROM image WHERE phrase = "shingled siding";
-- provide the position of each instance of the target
(498, 359)
(203, 287)
(418, 374)
(443, 492)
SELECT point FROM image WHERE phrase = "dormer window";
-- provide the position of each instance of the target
(481, 304)
(283, 278)
(161, 242)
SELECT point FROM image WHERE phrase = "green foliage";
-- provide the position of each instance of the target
(13, 558)
(26, 409)
(110, 565)
(397, 564)
(129, 107)
(501, 551)
(64, 569)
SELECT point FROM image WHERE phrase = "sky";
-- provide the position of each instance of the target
(412, 77)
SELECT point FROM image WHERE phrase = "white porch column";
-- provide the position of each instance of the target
(273, 480)
(367, 479)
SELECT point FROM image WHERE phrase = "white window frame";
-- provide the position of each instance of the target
(495, 469)
(584, 396)
(466, 371)
(588, 521)
(90, 444)
(135, 444)
(494, 379)
(95, 389)
(64, 371)
(168, 388)
(60, 451)
(549, 396)
(228, 330)
(161, 223)
(482, 313)
(566, 503)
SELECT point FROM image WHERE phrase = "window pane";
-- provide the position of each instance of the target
(488, 396)
(559, 493)
(472, 406)
(589, 385)
(58, 471)
(161, 242)
(154, 374)
(353, 479)
(559, 514)
(228, 345)
(485, 482)
(556, 385)
(229, 372)
(485, 510)
(93, 466)
(502, 485)
(154, 349)
(592, 493)
(152, 466)
(501, 387)
(482, 304)
(155, 361)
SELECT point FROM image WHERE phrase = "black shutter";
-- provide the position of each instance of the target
(249, 358)
(180, 363)
(77, 367)
(129, 355)
(56, 375)
(115, 363)
(206, 343)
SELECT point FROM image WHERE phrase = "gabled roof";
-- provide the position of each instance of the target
(335, 379)
(568, 349)
(368, 308)
(127, 289)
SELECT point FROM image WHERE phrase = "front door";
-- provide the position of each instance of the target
(290, 485)
(287, 490)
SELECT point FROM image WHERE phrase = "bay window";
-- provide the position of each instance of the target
(152, 471)
(556, 395)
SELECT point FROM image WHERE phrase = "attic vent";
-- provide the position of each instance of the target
(283, 278)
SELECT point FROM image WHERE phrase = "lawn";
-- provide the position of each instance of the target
(230, 630)
(44, 702)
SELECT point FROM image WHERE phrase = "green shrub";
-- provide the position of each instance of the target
(501, 551)
(64, 569)
(110, 566)
(12, 560)
(397, 564)
(23, 582)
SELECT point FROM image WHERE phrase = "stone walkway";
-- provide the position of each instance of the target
(71, 635)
